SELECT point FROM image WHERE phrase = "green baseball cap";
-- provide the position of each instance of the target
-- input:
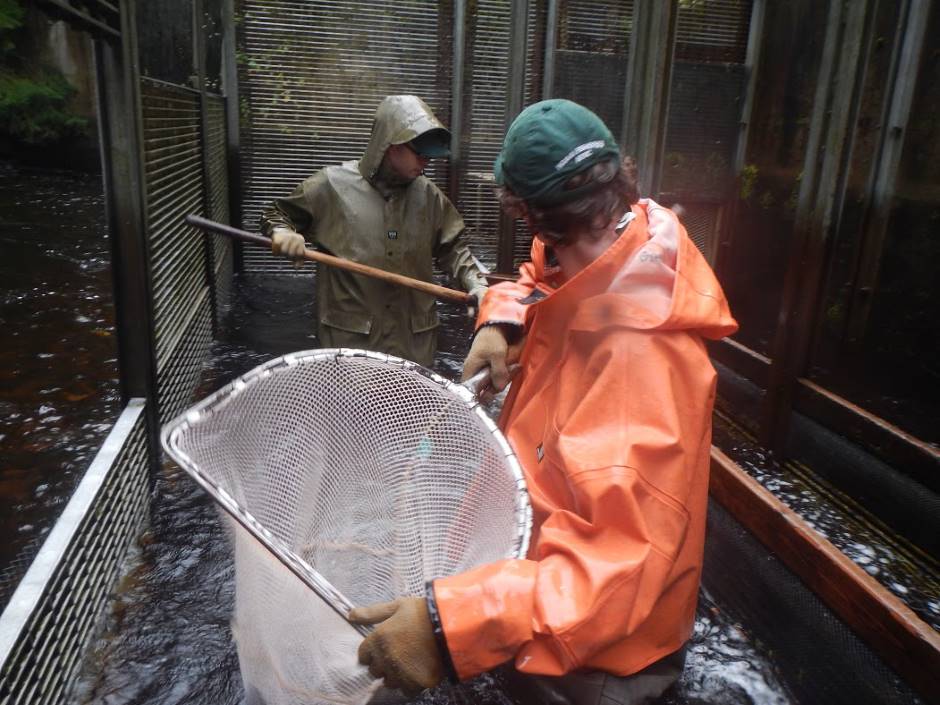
(547, 144)
(432, 144)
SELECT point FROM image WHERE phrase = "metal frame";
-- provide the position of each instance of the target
(54, 612)
(199, 65)
(755, 44)
(646, 109)
(121, 137)
(822, 188)
(232, 122)
(551, 40)
(518, 46)
(457, 98)
(911, 36)
(109, 26)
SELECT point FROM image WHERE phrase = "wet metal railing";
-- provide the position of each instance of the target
(52, 615)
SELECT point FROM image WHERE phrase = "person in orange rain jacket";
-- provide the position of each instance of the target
(610, 417)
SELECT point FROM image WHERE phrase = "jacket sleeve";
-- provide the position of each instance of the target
(601, 563)
(451, 250)
(506, 302)
(296, 211)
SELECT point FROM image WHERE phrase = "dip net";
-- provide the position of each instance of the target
(348, 478)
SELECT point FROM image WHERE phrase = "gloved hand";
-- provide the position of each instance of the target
(288, 243)
(476, 298)
(402, 649)
(491, 349)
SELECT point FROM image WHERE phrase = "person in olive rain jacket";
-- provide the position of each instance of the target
(383, 212)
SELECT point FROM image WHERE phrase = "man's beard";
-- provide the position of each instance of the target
(391, 178)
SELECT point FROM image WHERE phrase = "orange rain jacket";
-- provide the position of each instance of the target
(611, 420)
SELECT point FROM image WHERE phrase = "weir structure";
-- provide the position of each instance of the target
(800, 140)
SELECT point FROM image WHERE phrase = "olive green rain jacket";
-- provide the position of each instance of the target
(346, 211)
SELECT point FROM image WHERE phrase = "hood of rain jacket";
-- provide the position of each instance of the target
(398, 119)
(610, 418)
(402, 230)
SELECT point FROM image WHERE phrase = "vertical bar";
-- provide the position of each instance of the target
(652, 44)
(232, 124)
(120, 123)
(199, 67)
(821, 193)
(518, 36)
(457, 98)
(551, 39)
(755, 41)
(912, 33)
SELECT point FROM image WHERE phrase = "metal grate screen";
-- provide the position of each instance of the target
(174, 176)
(69, 584)
(709, 80)
(311, 76)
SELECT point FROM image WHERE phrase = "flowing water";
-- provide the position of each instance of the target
(167, 638)
(58, 361)
(168, 641)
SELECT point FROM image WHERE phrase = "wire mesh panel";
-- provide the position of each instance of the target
(69, 584)
(706, 95)
(593, 47)
(174, 177)
(360, 468)
(487, 77)
(218, 174)
(312, 74)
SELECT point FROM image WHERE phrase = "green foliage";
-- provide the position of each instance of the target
(33, 109)
(11, 18)
(34, 101)
(748, 180)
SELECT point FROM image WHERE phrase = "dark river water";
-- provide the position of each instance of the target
(167, 638)
(58, 360)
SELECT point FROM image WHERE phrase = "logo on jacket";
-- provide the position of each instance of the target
(392, 234)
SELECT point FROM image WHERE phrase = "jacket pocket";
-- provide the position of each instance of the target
(348, 321)
(424, 321)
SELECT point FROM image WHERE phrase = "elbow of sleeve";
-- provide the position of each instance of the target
(486, 614)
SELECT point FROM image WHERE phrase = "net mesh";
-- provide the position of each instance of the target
(365, 469)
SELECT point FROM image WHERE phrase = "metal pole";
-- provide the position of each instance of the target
(551, 39)
(819, 203)
(518, 39)
(911, 38)
(649, 74)
(121, 132)
(199, 66)
(726, 228)
(457, 98)
(232, 122)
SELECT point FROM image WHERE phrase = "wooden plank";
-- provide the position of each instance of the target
(906, 453)
(892, 630)
(740, 358)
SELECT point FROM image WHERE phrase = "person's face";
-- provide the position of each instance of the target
(405, 162)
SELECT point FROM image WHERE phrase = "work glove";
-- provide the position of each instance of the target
(476, 295)
(288, 243)
(491, 349)
(402, 649)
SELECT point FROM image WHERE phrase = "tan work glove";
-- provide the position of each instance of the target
(476, 298)
(402, 649)
(491, 349)
(288, 243)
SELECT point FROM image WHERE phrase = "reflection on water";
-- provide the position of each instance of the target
(168, 640)
(58, 366)
(902, 568)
